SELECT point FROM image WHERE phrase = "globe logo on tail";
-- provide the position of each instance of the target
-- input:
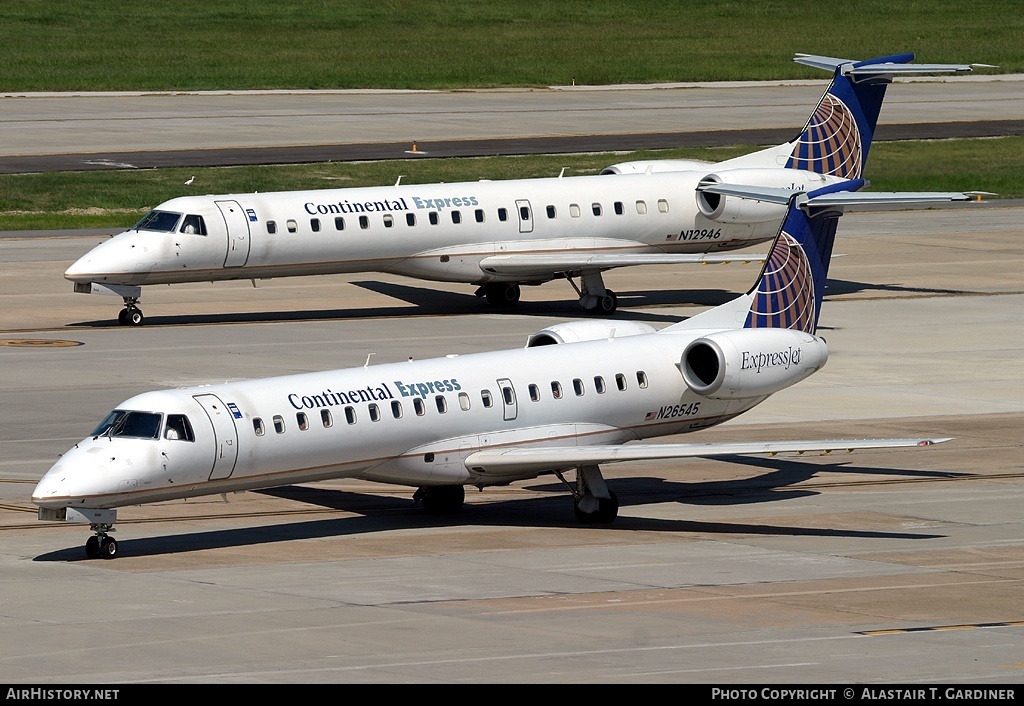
(831, 142)
(785, 294)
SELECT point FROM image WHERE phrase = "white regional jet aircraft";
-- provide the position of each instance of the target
(501, 235)
(572, 398)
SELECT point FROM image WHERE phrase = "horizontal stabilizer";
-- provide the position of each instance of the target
(530, 459)
(845, 199)
(545, 265)
(895, 65)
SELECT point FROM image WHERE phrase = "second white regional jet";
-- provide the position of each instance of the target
(502, 235)
(574, 398)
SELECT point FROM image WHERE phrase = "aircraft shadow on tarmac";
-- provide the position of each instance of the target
(421, 301)
(377, 513)
(424, 301)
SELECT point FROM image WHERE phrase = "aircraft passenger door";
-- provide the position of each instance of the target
(237, 224)
(508, 399)
(525, 214)
(225, 436)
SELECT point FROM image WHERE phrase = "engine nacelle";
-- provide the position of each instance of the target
(750, 362)
(734, 209)
(590, 330)
(657, 165)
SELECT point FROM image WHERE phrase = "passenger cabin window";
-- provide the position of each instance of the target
(417, 406)
(599, 385)
(410, 219)
(302, 420)
(389, 220)
(456, 216)
(396, 409)
(663, 205)
(641, 379)
(350, 415)
(551, 211)
(464, 401)
(508, 395)
(178, 427)
(374, 411)
(442, 403)
(279, 424)
(596, 208)
(326, 419)
(534, 393)
(524, 213)
(159, 221)
(292, 226)
(479, 215)
(257, 426)
(641, 207)
(485, 397)
(432, 217)
(556, 390)
(137, 425)
(577, 386)
(271, 227)
(620, 381)
(619, 209)
(364, 222)
(502, 214)
(314, 224)
(574, 210)
(193, 224)
(339, 223)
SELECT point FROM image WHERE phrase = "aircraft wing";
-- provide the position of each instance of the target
(547, 264)
(522, 459)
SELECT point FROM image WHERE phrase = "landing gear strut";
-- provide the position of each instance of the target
(101, 545)
(131, 315)
(594, 503)
(593, 295)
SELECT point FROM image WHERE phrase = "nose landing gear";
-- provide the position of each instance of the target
(131, 315)
(101, 545)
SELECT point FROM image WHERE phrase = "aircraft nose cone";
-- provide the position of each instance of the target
(49, 487)
(110, 259)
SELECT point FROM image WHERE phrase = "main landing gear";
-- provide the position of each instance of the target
(593, 295)
(101, 545)
(500, 293)
(131, 315)
(593, 502)
(440, 499)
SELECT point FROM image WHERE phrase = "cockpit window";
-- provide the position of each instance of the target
(163, 221)
(193, 224)
(178, 427)
(138, 425)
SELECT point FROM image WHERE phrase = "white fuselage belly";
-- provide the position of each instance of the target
(658, 215)
(416, 449)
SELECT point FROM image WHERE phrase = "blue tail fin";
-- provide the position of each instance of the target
(789, 292)
(838, 135)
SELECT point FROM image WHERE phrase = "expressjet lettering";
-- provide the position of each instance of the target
(422, 389)
(329, 398)
(784, 359)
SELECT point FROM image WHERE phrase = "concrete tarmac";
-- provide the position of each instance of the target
(900, 566)
(47, 131)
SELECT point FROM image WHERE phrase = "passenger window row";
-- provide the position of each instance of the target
(456, 216)
(440, 402)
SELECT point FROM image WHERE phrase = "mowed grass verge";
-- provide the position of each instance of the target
(82, 45)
